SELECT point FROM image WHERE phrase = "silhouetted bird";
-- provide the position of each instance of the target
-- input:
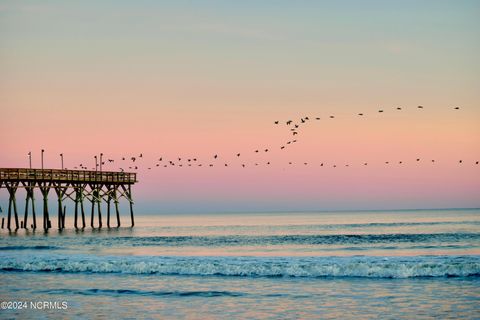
(400, 162)
(476, 162)
(420, 107)
(418, 159)
(266, 150)
(268, 162)
(360, 114)
(365, 164)
(238, 154)
(123, 158)
(302, 120)
(215, 156)
(160, 159)
(289, 122)
(133, 159)
(306, 118)
(380, 110)
(317, 118)
(276, 122)
(433, 160)
(136, 167)
(456, 108)
(243, 165)
(110, 160)
(158, 165)
(321, 164)
(226, 165)
(294, 133)
(141, 155)
(332, 117)
(398, 108)
(305, 163)
(282, 147)
(460, 161)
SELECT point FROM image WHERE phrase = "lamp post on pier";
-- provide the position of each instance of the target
(42, 157)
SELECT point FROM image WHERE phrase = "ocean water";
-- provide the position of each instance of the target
(421, 264)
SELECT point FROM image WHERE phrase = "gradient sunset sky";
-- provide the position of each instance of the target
(197, 78)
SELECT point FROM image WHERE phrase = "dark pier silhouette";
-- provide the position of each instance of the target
(76, 185)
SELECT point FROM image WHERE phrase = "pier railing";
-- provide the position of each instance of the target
(58, 175)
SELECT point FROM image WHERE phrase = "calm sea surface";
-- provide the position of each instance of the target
(362, 265)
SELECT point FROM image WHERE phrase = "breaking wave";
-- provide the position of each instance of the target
(311, 267)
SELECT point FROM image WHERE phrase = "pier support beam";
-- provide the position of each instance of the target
(96, 201)
(29, 189)
(12, 202)
(131, 203)
(79, 189)
(45, 189)
(115, 200)
(60, 190)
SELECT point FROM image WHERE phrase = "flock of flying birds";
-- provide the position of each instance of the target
(132, 162)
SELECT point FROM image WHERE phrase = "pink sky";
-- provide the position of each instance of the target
(186, 88)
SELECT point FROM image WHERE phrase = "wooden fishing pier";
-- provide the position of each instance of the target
(76, 185)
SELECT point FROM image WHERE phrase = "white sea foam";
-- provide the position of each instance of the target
(372, 267)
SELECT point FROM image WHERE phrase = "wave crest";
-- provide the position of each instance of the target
(313, 267)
